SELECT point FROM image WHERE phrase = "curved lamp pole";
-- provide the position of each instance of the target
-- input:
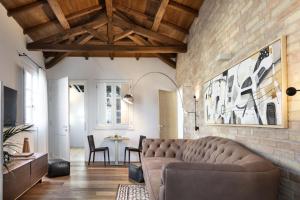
(129, 98)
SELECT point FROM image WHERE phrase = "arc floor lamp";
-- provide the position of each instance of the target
(129, 98)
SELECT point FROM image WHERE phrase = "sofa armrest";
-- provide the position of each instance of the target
(191, 181)
(170, 148)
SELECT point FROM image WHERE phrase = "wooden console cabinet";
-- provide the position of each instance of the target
(23, 174)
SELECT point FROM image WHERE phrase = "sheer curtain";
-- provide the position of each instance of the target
(41, 112)
(38, 115)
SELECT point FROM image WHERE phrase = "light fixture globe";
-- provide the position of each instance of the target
(128, 98)
(291, 91)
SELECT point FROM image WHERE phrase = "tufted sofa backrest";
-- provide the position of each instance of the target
(213, 150)
(219, 151)
(170, 148)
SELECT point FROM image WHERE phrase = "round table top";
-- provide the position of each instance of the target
(119, 138)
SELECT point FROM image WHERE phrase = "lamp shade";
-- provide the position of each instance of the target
(128, 98)
(291, 91)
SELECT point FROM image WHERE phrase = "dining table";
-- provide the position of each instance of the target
(117, 139)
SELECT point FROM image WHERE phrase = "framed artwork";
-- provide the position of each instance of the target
(252, 92)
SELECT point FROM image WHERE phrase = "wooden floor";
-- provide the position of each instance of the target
(92, 182)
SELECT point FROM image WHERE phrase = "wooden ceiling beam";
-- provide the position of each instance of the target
(148, 20)
(110, 31)
(97, 54)
(109, 8)
(97, 34)
(167, 60)
(106, 48)
(81, 40)
(138, 40)
(123, 35)
(84, 12)
(182, 8)
(157, 20)
(55, 60)
(98, 22)
(145, 32)
(54, 5)
(25, 8)
(159, 14)
(109, 12)
(72, 16)
(141, 41)
(119, 42)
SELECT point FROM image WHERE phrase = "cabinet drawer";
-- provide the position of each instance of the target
(16, 182)
(39, 167)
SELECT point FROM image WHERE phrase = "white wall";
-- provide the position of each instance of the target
(146, 107)
(12, 41)
(77, 132)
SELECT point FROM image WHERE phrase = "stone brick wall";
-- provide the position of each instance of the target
(241, 27)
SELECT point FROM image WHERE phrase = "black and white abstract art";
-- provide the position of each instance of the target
(250, 93)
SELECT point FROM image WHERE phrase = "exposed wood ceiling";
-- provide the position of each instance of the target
(105, 28)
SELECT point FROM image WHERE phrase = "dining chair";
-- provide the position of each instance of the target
(133, 149)
(93, 150)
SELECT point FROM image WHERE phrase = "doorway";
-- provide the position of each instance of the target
(168, 114)
(77, 91)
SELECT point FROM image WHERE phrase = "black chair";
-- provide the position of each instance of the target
(132, 149)
(94, 150)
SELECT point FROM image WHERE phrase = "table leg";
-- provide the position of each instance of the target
(116, 152)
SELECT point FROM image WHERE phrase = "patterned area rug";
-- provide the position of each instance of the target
(132, 192)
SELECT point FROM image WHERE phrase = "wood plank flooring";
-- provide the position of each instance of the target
(86, 182)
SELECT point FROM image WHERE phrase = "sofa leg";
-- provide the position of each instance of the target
(94, 157)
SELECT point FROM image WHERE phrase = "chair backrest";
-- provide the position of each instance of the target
(142, 137)
(91, 142)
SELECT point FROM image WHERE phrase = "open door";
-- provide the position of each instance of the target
(1, 145)
(59, 118)
(168, 115)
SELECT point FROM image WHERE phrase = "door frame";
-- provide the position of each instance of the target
(86, 124)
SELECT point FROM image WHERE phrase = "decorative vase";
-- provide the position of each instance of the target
(26, 147)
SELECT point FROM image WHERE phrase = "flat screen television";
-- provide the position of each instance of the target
(10, 106)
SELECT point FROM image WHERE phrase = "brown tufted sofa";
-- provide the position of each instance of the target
(209, 168)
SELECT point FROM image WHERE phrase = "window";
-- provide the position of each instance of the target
(112, 111)
(29, 83)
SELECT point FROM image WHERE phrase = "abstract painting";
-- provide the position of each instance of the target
(251, 93)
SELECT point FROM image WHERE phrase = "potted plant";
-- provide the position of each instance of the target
(8, 133)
